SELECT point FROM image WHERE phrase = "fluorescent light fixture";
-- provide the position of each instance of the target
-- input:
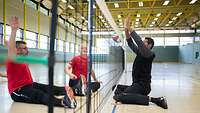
(136, 22)
(137, 19)
(120, 20)
(70, 6)
(179, 14)
(105, 24)
(119, 16)
(174, 18)
(170, 21)
(94, 6)
(141, 4)
(116, 5)
(82, 17)
(155, 19)
(138, 15)
(158, 14)
(103, 20)
(167, 25)
(192, 2)
(151, 25)
(64, 1)
(100, 17)
(166, 2)
(136, 25)
(153, 22)
(120, 24)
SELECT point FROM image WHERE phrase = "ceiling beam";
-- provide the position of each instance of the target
(149, 15)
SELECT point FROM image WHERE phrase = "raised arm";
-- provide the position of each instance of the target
(127, 30)
(12, 43)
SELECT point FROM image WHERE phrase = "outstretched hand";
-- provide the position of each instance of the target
(14, 23)
(127, 23)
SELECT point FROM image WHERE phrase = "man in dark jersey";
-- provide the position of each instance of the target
(138, 92)
(20, 83)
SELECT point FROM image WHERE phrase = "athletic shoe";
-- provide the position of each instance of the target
(69, 99)
(162, 102)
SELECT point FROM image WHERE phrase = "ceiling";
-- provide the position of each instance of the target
(151, 15)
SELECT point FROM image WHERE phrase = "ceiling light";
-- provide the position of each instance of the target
(119, 16)
(179, 14)
(136, 25)
(116, 5)
(64, 1)
(167, 25)
(137, 19)
(136, 22)
(120, 24)
(120, 20)
(86, 21)
(138, 15)
(170, 21)
(155, 19)
(158, 14)
(166, 2)
(174, 18)
(82, 17)
(70, 6)
(141, 4)
(193, 1)
(153, 22)
(151, 25)
(106, 24)
(94, 6)
(103, 20)
(100, 17)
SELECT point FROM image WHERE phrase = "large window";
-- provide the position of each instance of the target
(67, 47)
(158, 41)
(60, 47)
(8, 33)
(31, 39)
(171, 41)
(43, 42)
(72, 47)
(103, 45)
(186, 40)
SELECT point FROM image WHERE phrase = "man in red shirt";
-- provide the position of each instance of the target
(77, 70)
(20, 83)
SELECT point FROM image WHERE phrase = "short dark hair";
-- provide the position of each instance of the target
(150, 41)
(19, 42)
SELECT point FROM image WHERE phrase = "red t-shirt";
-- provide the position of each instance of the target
(79, 65)
(18, 75)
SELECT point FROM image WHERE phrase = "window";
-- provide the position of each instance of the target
(72, 47)
(31, 39)
(158, 41)
(77, 48)
(44, 11)
(171, 41)
(31, 4)
(67, 47)
(31, 44)
(8, 33)
(103, 46)
(197, 39)
(43, 42)
(186, 40)
(60, 47)
(198, 30)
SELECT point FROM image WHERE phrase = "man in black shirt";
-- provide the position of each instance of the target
(138, 92)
